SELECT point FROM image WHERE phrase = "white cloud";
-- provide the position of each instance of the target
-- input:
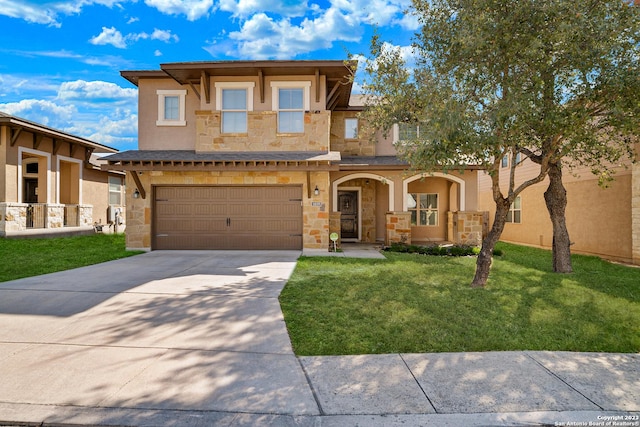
(100, 111)
(96, 91)
(263, 37)
(109, 36)
(115, 38)
(30, 13)
(288, 8)
(157, 53)
(46, 12)
(41, 111)
(164, 35)
(193, 9)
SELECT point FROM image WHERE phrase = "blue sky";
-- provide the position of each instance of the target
(60, 61)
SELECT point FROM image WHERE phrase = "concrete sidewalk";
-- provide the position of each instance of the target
(198, 339)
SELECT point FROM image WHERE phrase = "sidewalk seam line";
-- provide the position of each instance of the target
(313, 390)
(418, 383)
(530, 356)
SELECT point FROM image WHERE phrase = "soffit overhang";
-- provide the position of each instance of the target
(189, 160)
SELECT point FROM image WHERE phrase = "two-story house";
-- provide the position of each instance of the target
(51, 182)
(601, 221)
(272, 155)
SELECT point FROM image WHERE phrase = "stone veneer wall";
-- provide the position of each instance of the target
(398, 228)
(85, 215)
(334, 227)
(635, 213)
(13, 216)
(363, 146)
(315, 210)
(262, 135)
(55, 216)
(467, 228)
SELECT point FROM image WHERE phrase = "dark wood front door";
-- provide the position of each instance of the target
(348, 207)
(30, 190)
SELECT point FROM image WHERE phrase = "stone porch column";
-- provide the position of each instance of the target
(398, 228)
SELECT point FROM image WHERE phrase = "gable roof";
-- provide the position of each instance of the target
(19, 124)
(337, 72)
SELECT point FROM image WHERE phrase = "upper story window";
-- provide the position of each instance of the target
(505, 161)
(290, 100)
(234, 100)
(351, 128)
(405, 132)
(115, 190)
(423, 208)
(171, 107)
(515, 211)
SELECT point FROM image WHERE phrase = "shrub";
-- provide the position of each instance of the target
(435, 250)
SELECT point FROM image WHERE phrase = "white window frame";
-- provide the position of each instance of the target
(396, 132)
(347, 127)
(512, 210)
(275, 98)
(417, 209)
(182, 95)
(120, 191)
(248, 86)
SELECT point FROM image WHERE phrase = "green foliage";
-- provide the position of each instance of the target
(555, 82)
(436, 250)
(32, 257)
(414, 304)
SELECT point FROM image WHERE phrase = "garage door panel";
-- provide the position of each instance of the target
(232, 217)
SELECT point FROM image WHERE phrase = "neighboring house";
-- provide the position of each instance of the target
(51, 182)
(271, 155)
(601, 221)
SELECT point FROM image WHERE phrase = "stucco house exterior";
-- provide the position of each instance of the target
(51, 182)
(601, 221)
(272, 155)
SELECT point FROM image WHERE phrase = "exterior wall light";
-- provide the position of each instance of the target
(136, 194)
(316, 191)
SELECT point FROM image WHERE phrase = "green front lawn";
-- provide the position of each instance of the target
(415, 303)
(32, 257)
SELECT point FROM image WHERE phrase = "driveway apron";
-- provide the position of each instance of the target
(183, 330)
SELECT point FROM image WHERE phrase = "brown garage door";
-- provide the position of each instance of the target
(227, 217)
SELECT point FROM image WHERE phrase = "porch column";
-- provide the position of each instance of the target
(398, 228)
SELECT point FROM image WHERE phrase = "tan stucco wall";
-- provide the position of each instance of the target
(4, 143)
(315, 218)
(154, 137)
(598, 219)
(441, 187)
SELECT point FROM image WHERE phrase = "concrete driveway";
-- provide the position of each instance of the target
(198, 339)
(162, 331)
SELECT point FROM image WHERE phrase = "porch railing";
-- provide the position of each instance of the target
(36, 215)
(71, 216)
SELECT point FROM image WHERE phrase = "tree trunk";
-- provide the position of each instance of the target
(483, 263)
(556, 200)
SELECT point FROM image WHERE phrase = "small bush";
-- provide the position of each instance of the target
(434, 250)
